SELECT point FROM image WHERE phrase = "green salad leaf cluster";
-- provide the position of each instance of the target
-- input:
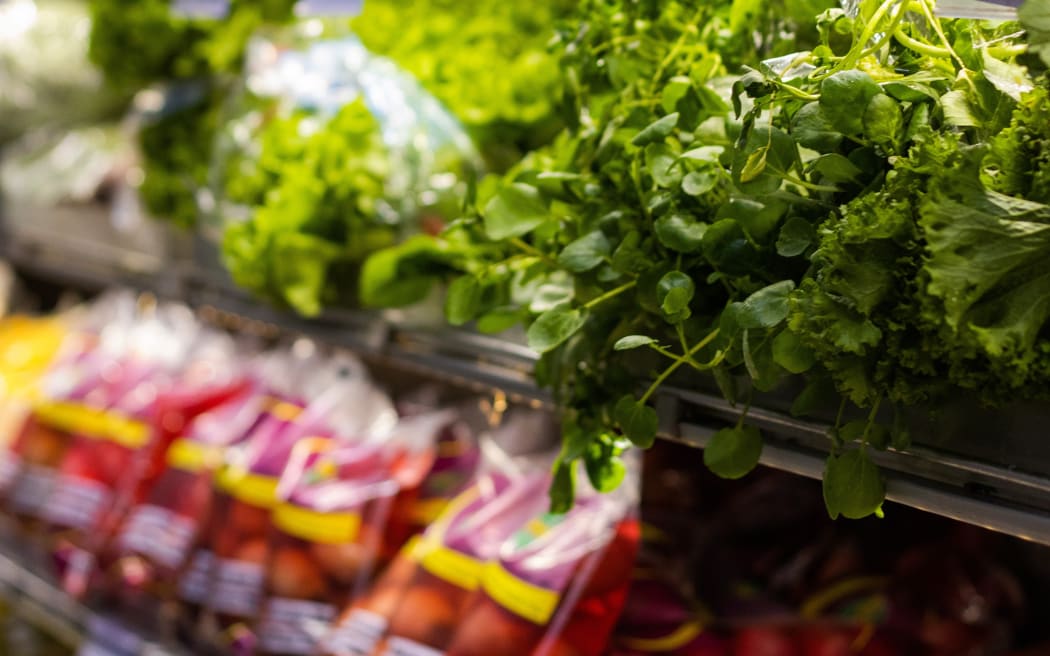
(317, 196)
(861, 205)
(143, 43)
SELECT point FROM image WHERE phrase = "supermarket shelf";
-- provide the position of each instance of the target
(994, 497)
(43, 605)
(953, 469)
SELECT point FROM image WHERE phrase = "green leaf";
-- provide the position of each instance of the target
(958, 111)
(680, 233)
(842, 97)
(853, 485)
(674, 293)
(553, 327)
(698, 183)
(515, 210)
(813, 129)
(796, 236)
(463, 300)
(755, 164)
(638, 421)
(656, 131)
(883, 120)
(1035, 17)
(733, 452)
(498, 320)
(790, 353)
(705, 154)
(662, 163)
(632, 342)
(563, 486)
(585, 253)
(765, 308)
(836, 168)
(605, 470)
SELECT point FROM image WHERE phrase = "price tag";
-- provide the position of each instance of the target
(328, 7)
(986, 9)
(201, 8)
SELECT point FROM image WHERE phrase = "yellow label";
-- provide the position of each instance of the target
(260, 491)
(94, 423)
(131, 433)
(72, 417)
(522, 598)
(313, 526)
(192, 457)
(449, 565)
(677, 639)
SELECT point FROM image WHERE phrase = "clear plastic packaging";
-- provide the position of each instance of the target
(329, 154)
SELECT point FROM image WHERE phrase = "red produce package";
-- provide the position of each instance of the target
(160, 534)
(79, 398)
(426, 585)
(557, 586)
(333, 520)
(347, 409)
(101, 479)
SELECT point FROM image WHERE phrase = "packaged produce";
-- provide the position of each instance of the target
(102, 476)
(88, 375)
(332, 154)
(557, 585)
(342, 406)
(333, 522)
(421, 593)
(27, 348)
(160, 535)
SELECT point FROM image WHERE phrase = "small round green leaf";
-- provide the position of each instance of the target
(463, 300)
(637, 420)
(843, 97)
(680, 233)
(515, 210)
(585, 253)
(674, 292)
(656, 131)
(553, 327)
(853, 485)
(733, 452)
(765, 308)
(796, 235)
(698, 183)
(790, 353)
(632, 342)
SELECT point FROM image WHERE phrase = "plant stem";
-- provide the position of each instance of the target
(935, 52)
(522, 245)
(609, 294)
(679, 361)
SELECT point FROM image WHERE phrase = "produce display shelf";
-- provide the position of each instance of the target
(956, 470)
(43, 605)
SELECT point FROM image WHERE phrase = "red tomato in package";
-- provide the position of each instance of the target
(327, 535)
(559, 583)
(422, 597)
(157, 539)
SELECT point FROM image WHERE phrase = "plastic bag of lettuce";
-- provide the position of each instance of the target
(328, 154)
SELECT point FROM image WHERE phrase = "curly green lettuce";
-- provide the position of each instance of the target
(317, 208)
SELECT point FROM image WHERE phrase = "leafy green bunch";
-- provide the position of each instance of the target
(487, 60)
(786, 221)
(142, 43)
(316, 200)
